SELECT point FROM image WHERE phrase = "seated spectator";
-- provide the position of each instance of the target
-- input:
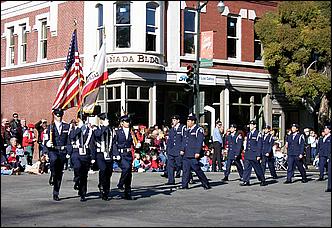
(6, 169)
(146, 163)
(44, 164)
(154, 163)
(18, 150)
(137, 162)
(14, 164)
(205, 161)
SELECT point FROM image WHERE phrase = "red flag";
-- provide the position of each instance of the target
(96, 78)
(72, 80)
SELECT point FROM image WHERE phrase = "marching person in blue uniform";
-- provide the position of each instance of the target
(327, 143)
(81, 142)
(122, 146)
(174, 145)
(324, 152)
(102, 154)
(191, 150)
(57, 146)
(267, 152)
(252, 155)
(234, 141)
(295, 150)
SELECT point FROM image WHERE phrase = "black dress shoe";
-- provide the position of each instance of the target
(76, 185)
(169, 183)
(287, 182)
(164, 175)
(328, 190)
(206, 187)
(83, 199)
(192, 181)
(304, 180)
(225, 179)
(263, 183)
(104, 196)
(182, 188)
(320, 179)
(120, 187)
(56, 198)
(245, 183)
(51, 181)
(127, 196)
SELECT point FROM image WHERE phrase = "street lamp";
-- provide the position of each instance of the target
(221, 8)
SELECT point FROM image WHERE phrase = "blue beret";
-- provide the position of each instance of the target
(233, 125)
(267, 126)
(252, 122)
(328, 127)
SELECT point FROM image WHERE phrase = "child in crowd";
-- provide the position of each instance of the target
(155, 163)
(137, 162)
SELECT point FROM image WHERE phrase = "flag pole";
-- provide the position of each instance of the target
(79, 90)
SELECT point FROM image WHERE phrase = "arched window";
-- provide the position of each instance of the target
(151, 27)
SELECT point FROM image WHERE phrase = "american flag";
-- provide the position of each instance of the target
(72, 80)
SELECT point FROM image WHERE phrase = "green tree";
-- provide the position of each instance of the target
(297, 52)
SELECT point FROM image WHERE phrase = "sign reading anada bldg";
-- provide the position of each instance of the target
(135, 60)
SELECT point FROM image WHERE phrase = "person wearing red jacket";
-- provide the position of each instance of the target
(28, 142)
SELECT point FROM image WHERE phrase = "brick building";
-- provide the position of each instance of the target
(149, 45)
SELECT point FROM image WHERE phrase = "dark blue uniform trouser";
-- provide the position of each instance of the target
(192, 163)
(270, 163)
(126, 173)
(322, 163)
(293, 160)
(105, 172)
(81, 169)
(57, 161)
(237, 163)
(173, 163)
(248, 165)
(329, 175)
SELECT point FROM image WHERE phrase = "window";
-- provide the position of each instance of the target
(24, 43)
(151, 26)
(231, 37)
(257, 47)
(43, 40)
(11, 46)
(122, 24)
(100, 26)
(189, 31)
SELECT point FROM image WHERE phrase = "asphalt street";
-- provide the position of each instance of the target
(26, 200)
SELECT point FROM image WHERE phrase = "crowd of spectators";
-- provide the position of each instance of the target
(18, 145)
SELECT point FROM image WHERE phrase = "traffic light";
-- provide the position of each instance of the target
(190, 79)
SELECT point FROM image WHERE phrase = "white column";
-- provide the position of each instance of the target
(221, 106)
(226, 108)
(173, 34)
(252, 108)
(123, 97)
(153, 105)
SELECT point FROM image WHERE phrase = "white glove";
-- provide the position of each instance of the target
(67, 156)
(106, 122)
(80, 123)
(116, 157)
(49, 143)
(138, 145)
(93, 161)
